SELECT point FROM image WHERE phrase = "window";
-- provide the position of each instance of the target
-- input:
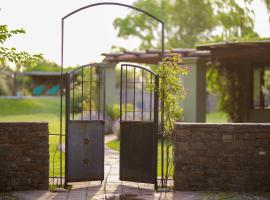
(261, 87)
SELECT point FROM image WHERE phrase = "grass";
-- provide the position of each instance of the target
(216, 117)
(36, 109)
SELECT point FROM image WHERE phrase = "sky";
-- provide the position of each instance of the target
(87, 34)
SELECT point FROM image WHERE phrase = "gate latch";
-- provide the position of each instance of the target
(86, 141)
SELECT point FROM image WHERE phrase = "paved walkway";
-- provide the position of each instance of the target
(114, 189)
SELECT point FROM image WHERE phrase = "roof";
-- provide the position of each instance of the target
(235, 44)
(150, 56)
(39, 73)
(248, 50)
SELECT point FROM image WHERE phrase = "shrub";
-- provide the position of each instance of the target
(113, 112)
(3, 87)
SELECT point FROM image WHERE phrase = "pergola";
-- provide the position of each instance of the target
(150, 56)
(250, 61)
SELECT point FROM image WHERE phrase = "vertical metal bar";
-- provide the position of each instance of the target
(156, 124)
(82, 97)
(67, 124)
(91, 79)
(99, 87)
(162, 39)
(121, 78)
(73, 80)
(262, 102)
(142, 93)
(126, 96)
(104, 93)
(162, 158)
(89, 92)
(151, 82)
(134, 93)
(162, 109)
(61, 95)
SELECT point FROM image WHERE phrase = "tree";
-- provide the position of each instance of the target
(188, 22)
(11, 55)
(44, 65)
(266, 2)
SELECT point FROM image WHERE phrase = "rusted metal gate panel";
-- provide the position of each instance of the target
(85, 151)
(85, 116)
(138, 124)
(138, 152)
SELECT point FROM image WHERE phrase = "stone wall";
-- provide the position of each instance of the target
(24, 156)
(222, 157)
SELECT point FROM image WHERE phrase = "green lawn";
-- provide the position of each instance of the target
(216, 117)
(36, 109)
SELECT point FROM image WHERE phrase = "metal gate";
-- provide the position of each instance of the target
(85, 115)
(139, 105)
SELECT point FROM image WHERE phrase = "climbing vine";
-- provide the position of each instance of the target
(171, 92)
(227, 82)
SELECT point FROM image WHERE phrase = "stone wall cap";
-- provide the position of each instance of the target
(182, 124)
(22, 123)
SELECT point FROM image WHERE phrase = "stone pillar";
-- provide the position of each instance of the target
(110, 93)
(110, 85)
(195, 102)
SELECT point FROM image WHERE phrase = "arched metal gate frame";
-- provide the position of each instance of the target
(82, 67)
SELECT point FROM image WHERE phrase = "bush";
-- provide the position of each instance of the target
(3, 87)
(113, 112)
(77, 107)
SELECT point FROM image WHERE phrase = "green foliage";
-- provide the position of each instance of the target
(113, 111)
(3, 87)
(77, 107)
(236, 22)
(11, 55)
(171, 91)
(44, 65)
(266, 2)
(186, 24)
(216, 117)
(228, 83)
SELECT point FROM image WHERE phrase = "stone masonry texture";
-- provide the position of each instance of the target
(222, 157)
(24, 156)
